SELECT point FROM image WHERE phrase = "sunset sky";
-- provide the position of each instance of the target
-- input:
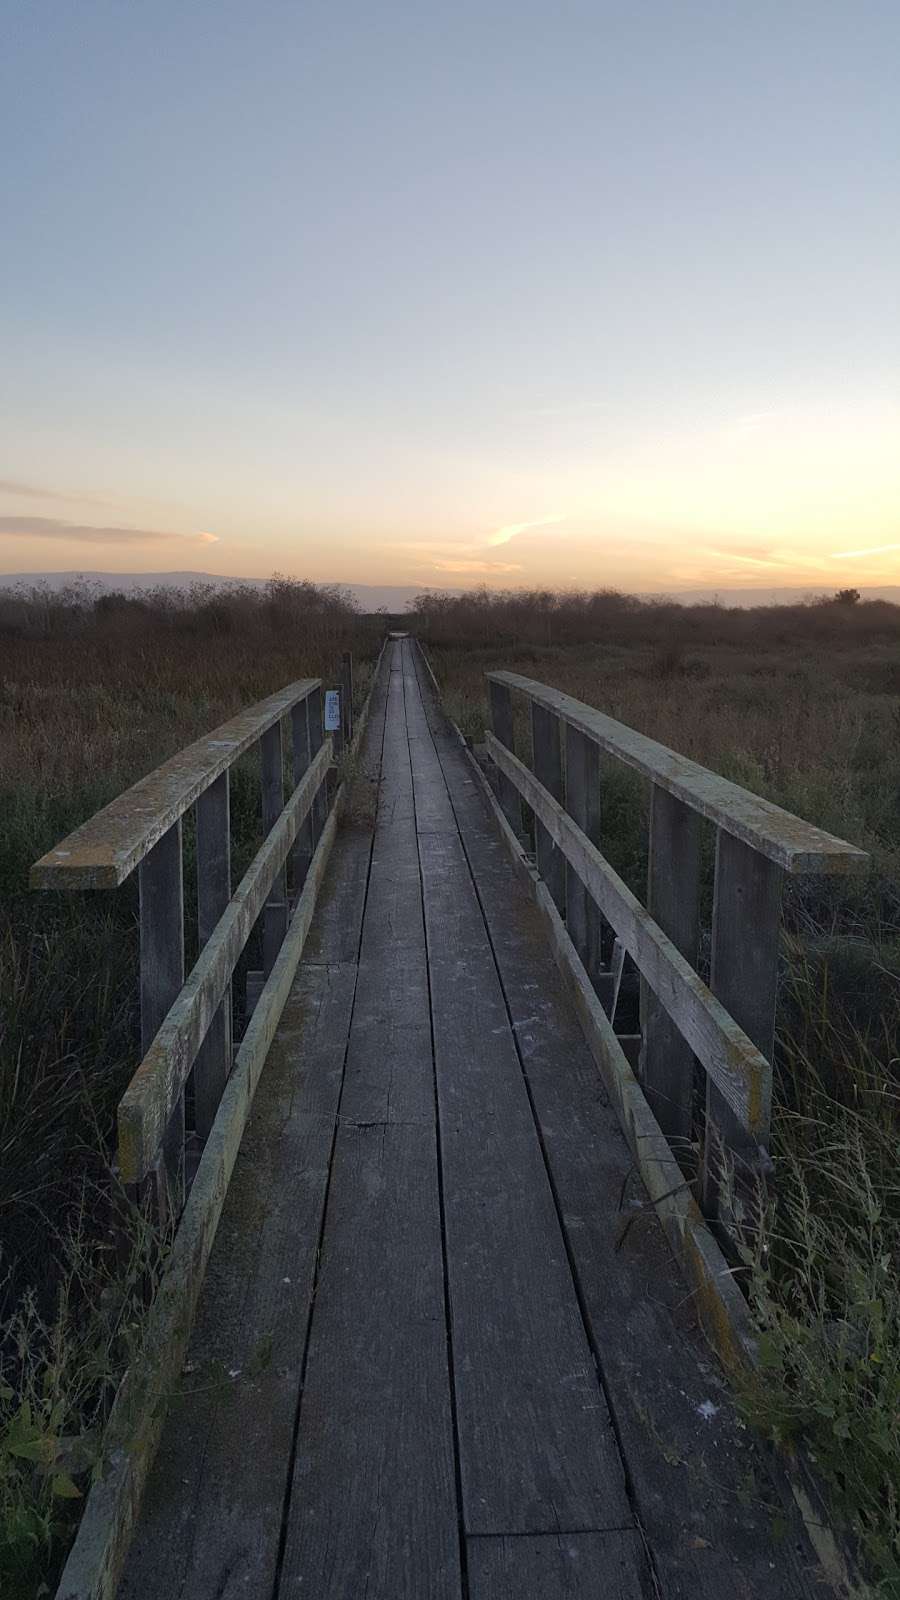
(503, 291)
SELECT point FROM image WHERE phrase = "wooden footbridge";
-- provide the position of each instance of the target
(432, 1323)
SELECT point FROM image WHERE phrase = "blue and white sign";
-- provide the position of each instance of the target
(332, 710)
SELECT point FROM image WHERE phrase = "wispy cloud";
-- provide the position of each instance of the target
(512, 529)
(34, 491)
(86, 533)
(874, 550)
(486, 567)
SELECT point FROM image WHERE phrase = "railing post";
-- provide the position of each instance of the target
(276, 909)
(301, 854)
(500, 698)
(347, 698)
(316, 740)
(545, 739)
(744, 976)
(213, 1064)
(583, 806)
(673, 900)
(161, 895)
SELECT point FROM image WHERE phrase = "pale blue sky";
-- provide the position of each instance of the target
(351, 288)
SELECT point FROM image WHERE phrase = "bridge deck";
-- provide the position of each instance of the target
(427, 1364)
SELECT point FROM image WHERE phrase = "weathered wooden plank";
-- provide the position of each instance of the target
(673, 901)
(133, 1431)
(216, 1053)
(545, 744)
(301, 855)
(583, 806)
(105, 850)
(558, 1566)
(373, 1508)
(744, 975)
(209, 1528)
(536, 1448)
(788, 840)
(158, 1083)
(734, 1063)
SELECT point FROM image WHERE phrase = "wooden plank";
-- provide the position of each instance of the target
(583, 806)
(673, 901)
(209, 1528)
(216, 1053)
(133, 1431)
(558, 1566)
(788, 840)
(738, 1069)
(373, 1508)
(103, 852)
(158, 1083)
(304, 845)
(548, 771)
(744, 975)
(536, 1448)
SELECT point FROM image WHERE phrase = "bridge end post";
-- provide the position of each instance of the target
(301, 755)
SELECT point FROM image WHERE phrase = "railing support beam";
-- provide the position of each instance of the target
(673, 900)
(161, 896)
(583, 806)
(548, 771)
(214, 1058)
(744, 976)
(502, 725)
(302, 852)
(275, 914)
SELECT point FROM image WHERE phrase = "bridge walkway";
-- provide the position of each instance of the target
(442, 1349)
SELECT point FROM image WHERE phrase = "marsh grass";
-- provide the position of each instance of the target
(801, 706)
(92, 695)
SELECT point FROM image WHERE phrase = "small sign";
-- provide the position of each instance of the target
(332, 710)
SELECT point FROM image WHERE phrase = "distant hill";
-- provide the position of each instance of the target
(370, 597)
(398, 597)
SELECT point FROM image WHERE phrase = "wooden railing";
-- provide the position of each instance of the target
(727, 1025)
(186, 1021)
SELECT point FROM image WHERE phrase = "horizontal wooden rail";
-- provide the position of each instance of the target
(104, 851)
(793, 844)
(155, 1089)
(739, 1071)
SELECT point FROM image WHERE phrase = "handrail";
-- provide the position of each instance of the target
(729, 1025)
(159, 1081)
(740, 1072)
(105, 850)
(793, 844)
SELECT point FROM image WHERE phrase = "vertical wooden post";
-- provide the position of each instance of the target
(161, 893)
(673, 900)
(583, 806)
(744, 976)
(316, 740)
(500, 698)
(275, 910)
(213, 1063)
(551, 863)
(300, 756)
(347, 698)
